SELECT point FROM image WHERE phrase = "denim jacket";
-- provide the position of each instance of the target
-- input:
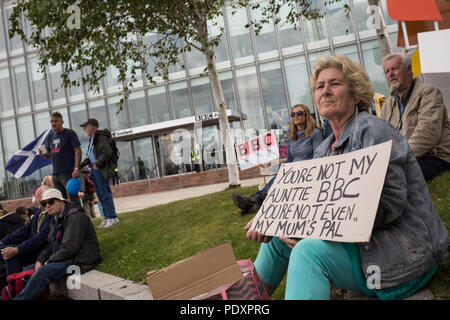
(408, 237)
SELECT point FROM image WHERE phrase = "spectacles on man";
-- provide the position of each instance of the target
(298, 114)
(50, 202)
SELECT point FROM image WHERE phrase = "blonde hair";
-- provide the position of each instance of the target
(357, 80)
(310, 123)
(47, 178)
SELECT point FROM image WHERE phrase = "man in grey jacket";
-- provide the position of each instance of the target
(417, 110)
(101, 157)
(71, 241)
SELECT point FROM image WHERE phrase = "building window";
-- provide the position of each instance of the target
(315, 30)
(341, 27)
(266, 45)
(97, 111)
(290, 38)
(201, 95)
(21, 86)
(145, 160)
(159, 108)
(226, 80)
(57, 92)
(15, 44)
(197, 60)
(179, 99)
(240, 41)
(78, 115)
(6, 101)
(247, 84)
(26, 132)
(75, 93)
(350, 51)
(118, 118)
(372, 62)
(2, 38)
(39, 90)
(361, 12)
(137, 109)
(298, 82)
(274, 95)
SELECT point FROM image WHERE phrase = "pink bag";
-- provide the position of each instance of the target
(249, 287)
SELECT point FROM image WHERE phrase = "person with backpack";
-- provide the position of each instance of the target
(103, 156)
(87, 191)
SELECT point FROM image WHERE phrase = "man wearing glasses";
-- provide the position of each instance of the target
(72, 241)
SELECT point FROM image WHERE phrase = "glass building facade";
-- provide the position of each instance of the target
(262, 76)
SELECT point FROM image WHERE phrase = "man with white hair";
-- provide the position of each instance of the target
(417, 110)
(71, 241)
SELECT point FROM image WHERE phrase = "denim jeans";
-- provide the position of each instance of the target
(45, 275)
(60, 182)
(104, 194)
(266, 187)
(310, 266)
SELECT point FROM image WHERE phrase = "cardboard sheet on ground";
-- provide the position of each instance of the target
(333, 198)
(258, 150)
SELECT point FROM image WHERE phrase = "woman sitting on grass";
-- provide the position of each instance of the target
(408, 238)
(304, 137)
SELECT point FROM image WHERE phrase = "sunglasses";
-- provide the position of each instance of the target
(298, 114)
(50, 202)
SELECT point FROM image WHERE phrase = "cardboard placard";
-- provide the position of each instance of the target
(332, 198)
(195, 275)
(258, 150)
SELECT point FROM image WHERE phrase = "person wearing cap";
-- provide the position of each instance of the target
(71, 241)
(21, 247)
(100, 155)
(64, 147)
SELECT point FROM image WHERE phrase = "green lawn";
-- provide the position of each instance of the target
(159, 236)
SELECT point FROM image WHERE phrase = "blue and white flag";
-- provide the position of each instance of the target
(27, 160)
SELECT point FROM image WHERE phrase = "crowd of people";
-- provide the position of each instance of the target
(57, 230)
(408, 239)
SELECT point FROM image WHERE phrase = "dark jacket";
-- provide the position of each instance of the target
(103, 153)
(10, 223)
(27, 239)
(72, 237)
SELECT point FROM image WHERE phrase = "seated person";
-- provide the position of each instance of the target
(10, 222)
(408, 238)
(304, 137)
(21, 247)
(72, 241)
(417, 110)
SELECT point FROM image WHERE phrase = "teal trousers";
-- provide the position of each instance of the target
(311, 265)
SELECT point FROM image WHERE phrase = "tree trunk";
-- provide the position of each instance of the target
(224, 127)
(382, 34)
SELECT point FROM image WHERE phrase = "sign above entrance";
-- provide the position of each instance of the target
(207, 116)
(123, 132)
(167, 126)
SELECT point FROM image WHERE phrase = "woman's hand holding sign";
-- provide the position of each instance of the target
(255, 235)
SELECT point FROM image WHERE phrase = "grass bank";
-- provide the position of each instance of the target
(156, 237)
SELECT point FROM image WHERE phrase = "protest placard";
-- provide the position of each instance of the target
(332, 198)
(258, 150)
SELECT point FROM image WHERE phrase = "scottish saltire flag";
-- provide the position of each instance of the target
(27, 160)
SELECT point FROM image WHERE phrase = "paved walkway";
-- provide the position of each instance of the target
(143, 201)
